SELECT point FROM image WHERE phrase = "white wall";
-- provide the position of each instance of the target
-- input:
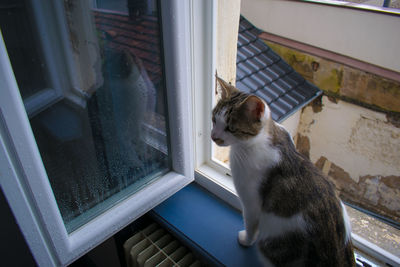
(364, 35)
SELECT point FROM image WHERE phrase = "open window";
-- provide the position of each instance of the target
(98, 132)
(79, 46)
(312, 25)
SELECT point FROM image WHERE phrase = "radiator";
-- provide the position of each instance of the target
(153, 246)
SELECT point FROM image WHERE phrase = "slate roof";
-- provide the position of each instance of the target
(262, 72)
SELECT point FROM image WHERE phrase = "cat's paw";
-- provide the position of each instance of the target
(243, 239)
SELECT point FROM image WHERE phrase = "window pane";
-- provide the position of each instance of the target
(112, 141)
(23, 47)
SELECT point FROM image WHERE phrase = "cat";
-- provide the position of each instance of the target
(289, 207)
(133, 95)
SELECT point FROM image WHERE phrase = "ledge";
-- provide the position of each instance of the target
(319, 52)
(207, 225)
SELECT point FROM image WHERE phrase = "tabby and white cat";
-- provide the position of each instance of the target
(289, 207)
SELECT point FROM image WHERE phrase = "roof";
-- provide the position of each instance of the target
(145, 43)
(262, 72)
(259, 69)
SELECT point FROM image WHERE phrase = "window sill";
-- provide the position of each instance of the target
(210, 225)
(206, 224)
(374, 237)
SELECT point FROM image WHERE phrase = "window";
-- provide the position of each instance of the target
(189, 40)
(297, 21)
(108, 136)
(100, 152)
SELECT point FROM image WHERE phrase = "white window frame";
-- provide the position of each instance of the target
(56, 50)
(24, 180)
(190, 70)
(209, 174)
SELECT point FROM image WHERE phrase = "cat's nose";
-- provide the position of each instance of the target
(213, 136)
(217, 140)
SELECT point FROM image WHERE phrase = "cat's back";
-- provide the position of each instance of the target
(300, 205)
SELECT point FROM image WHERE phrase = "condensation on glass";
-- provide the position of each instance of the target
(105, 142)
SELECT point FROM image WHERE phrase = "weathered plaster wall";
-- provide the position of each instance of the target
(352, 133)
(339, 80)
(359, 149)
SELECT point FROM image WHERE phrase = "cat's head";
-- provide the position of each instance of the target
(238, 116)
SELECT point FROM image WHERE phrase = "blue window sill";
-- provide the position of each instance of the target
(207, 225)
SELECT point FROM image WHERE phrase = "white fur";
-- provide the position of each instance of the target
(347, 224)
(249, 160)
(219, 132)
(272, 225)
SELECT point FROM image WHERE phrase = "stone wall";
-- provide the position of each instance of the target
(352, 133)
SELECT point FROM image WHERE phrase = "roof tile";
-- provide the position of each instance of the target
(261, 71)
(269, 75)
(296, 77)
(289, 102)
(242, 41)
(249, 36)
(263, 58)
(260, 46)
(245, 23)
(268, 95)
(259, 78)
(251, 83)
(296, 96)
(240, 56)
(244, 67)
(240, 73)
(242, 87)
(257, 65)
(249, 50)
(250, 66)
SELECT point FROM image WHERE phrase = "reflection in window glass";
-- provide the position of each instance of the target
(100, 152)
(23, 47)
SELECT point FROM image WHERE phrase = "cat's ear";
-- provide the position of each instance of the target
(253, 107)
(226, 89)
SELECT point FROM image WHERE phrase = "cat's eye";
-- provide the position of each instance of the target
(227, 129)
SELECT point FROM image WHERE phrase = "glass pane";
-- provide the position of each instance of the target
(23, 47)
(112, 141)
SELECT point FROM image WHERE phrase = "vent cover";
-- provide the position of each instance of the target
(153, 246)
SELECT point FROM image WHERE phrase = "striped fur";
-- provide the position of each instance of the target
(289, 207)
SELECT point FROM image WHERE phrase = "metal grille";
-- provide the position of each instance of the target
(153, 246)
